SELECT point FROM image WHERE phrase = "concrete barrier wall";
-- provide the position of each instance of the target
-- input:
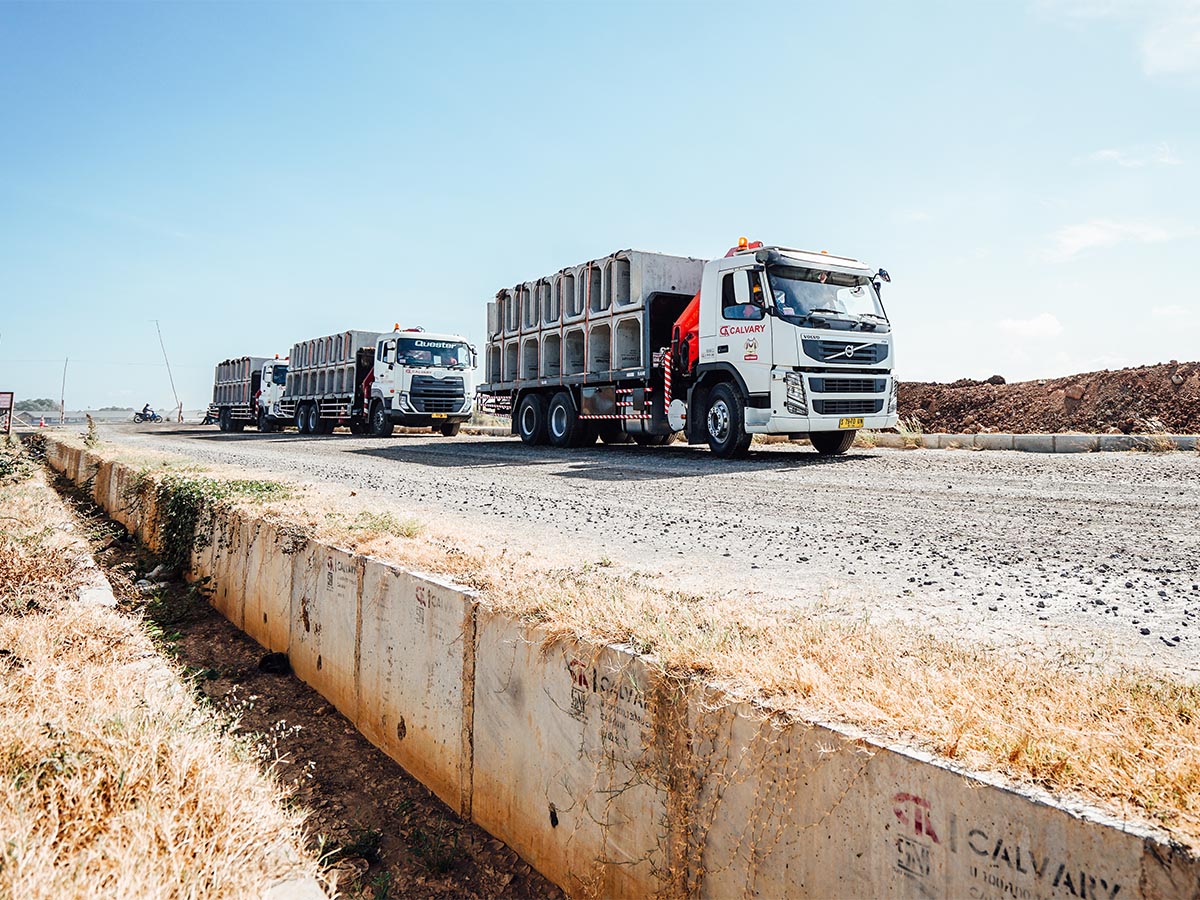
(1040, 443)
(616, 781)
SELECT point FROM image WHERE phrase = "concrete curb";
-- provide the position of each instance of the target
(1042, 443)
(615, 781)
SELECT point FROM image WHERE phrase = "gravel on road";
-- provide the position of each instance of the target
(1095, 555)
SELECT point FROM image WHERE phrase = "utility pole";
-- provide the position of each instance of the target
(178, 405)
(62, 398)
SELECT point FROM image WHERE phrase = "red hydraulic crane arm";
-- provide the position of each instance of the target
(685, 336)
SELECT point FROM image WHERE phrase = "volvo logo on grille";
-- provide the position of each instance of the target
(849, 350)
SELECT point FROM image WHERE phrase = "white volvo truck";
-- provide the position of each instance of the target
(371, 381)
(644, 346)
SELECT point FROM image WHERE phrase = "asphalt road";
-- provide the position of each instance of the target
(1095, 553)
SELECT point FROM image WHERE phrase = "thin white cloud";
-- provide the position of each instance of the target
(1072, 240)
(1045, 325)
(1173, 312)
(1168, 31)
(1172, 46)
(1137, 157)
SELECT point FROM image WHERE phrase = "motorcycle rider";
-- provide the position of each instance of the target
(147, 411)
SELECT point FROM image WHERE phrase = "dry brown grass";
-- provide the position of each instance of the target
(1126, 740)
(912, 433)
(116, 783)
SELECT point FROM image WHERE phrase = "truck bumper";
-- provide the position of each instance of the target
(789, 424)
(405, 415)
(825, 404)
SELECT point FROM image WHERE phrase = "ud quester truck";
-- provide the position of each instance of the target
(245, 390)
(645, 346)
(372, 381)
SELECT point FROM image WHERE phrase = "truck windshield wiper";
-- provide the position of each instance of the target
(821, 309)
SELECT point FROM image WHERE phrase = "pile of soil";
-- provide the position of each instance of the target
(1128, 401)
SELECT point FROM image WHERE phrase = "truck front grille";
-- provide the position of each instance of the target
(848, 385)
(437, 395)
(847, 407)
(845, 353)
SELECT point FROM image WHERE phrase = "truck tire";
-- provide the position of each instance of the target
(314, 418)
(831, 443)
(563, 424)
(302, 418)
(531, 419)
(237, 425)
(381, 425)
(359, 425)
(614, 434)
(222, 419)
(725, 422)
(265, 426)
(452, 429)
(654, 440)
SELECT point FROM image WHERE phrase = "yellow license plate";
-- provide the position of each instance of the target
(443, 415)
(850, 423)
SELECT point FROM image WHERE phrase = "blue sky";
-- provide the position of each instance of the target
(255, 174)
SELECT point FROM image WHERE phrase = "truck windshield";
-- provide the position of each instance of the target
(433, 353)
(279, 375)
(799, 293)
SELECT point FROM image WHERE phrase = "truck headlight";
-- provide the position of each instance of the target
(893, 402)
(402, 400)
(796, 400)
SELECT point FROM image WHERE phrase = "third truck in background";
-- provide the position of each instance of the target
(643, 346)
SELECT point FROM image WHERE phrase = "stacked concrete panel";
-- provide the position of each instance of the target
(325, 365)
(232, 380)
(584, 322)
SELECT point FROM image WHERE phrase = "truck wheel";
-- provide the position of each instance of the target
(452, 429)
(236, 425)
(381, 425)
(314, 418)
(831, 443)
(358, 425)
(531, 419)
(563, 423)
(614, 434)
(725, 422)
(222, 419)
(302, 418)
(264, 423)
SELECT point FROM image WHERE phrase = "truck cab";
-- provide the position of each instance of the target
(421, 379)
(784, 341)
(270, 393)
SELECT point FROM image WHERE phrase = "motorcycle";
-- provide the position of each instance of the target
(147, 417)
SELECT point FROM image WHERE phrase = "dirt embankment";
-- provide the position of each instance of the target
(1145, 399)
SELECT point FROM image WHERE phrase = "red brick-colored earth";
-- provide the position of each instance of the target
(1163, 397)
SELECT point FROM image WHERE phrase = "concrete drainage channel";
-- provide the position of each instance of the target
(616, 781)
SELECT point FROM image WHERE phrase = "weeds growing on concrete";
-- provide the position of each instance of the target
(911, 432)
(185, 503)
(369, 522)
(866, 439)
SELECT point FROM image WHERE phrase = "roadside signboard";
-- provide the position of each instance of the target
(6, 411)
